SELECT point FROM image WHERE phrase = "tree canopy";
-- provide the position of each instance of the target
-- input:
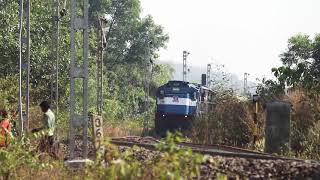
(131, 40)
(300, 63)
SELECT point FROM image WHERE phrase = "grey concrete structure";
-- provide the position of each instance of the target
(79, 71)
(277, 127)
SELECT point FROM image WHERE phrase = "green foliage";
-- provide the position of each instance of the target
(172, 163)
(270, 90)
(8, 92)
(128, 50)
(300, 75)
(19, 161)
(18, 158)
(176, 163)
(300, 64)
(162, 73)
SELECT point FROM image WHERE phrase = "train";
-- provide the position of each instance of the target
(178, 103)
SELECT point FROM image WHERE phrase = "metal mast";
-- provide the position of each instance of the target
(102, 44)
(209, 75)
(147, 80)
(185, 69)
(245, 83)
(79, 70)
(55, 54)
(24, 65)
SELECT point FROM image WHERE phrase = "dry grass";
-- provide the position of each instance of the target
(122, 128)
(305, 120)
(35, 118)
(229, 123)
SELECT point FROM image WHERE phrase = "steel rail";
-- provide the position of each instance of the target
(214, 151)
(196, 145)
(220, 147)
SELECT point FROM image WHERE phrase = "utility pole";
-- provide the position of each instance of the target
(55, 55)
(102, 44)
(245, 83)
(147, 80)
(79, 71)
(185, 56)
(24, 65)
(209, 75)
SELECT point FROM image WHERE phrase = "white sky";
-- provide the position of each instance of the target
(244, 35)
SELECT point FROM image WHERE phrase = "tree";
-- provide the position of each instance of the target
(300, 64)
(128, 50)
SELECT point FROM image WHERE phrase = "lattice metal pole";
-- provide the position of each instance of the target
(209, 75)
(24, 64)
(79, 70)
(185, 69)
(245, 83)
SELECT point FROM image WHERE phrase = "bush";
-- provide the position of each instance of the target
(230, 123)
(171, 163)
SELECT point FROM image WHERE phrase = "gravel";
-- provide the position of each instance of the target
(241, 168)
(233, 168)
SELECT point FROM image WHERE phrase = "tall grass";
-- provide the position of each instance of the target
(230, 122)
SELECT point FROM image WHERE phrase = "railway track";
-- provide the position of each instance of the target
(214, 150)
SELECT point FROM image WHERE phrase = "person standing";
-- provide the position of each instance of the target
(5, 128)
(48, 127)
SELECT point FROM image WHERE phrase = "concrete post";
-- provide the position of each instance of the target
(277, 129)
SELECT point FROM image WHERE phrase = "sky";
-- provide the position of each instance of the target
(244, 35)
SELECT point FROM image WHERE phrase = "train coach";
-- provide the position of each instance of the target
(178, 103)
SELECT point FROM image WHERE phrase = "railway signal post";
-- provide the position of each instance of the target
(255, 99)
(98, 120)
(102, 44)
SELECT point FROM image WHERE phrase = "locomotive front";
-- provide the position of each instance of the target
(176, 106)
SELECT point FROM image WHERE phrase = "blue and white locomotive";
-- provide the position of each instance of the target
(178, 103)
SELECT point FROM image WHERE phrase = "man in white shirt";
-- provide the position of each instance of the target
(48, 128)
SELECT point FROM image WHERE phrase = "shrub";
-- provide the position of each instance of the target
(230, 122)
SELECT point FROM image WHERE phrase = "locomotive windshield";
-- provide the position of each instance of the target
(177, 84)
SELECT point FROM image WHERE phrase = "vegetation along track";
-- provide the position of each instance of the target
(215, 150)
